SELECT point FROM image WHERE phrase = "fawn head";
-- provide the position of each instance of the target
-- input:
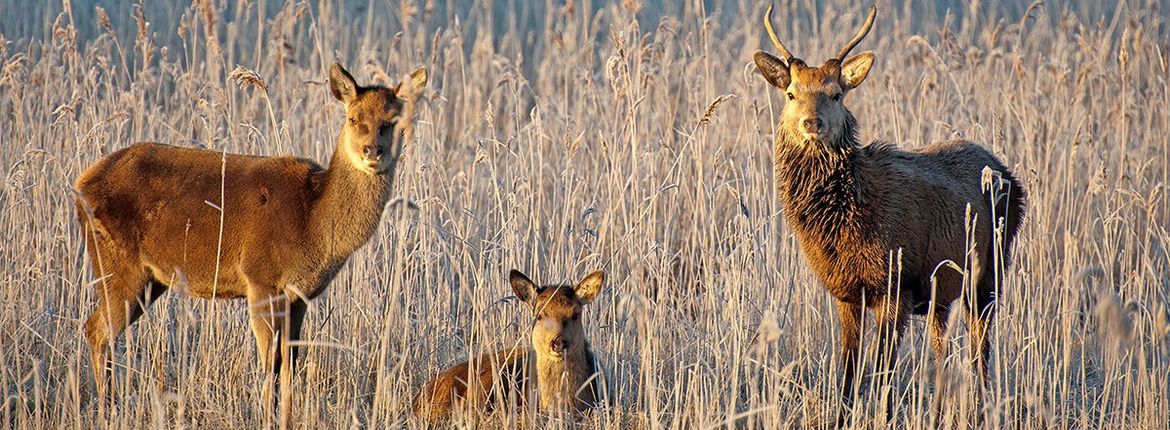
(557, 331)
(814, 110)
(370, 139)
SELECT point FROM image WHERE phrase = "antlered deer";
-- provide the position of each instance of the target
(560, 357)
(274, 230)
(854, 208)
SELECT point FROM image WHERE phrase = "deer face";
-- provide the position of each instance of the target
(814, 108)
(557, 331)
(370, 138)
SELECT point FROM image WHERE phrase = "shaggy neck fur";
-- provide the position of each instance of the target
(818, 180)
(561, 381)
(348, 210)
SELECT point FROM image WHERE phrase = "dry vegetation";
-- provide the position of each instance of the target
(559, 139)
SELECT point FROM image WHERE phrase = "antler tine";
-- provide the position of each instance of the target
(860, 33)
(776, 40)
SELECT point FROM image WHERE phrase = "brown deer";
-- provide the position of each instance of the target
(273, 230)
(855, 209)
(560, 357)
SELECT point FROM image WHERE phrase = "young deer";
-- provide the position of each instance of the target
(560, 357)
(274, 230)
(854, 206)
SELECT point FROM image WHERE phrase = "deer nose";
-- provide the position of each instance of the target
(558, 344)
(372, 150)
(811, 125)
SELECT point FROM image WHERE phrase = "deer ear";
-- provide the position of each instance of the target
(855, 69)
(341, 84)
(523, 287)
(773, 69)
(588, 288)
(412, 87)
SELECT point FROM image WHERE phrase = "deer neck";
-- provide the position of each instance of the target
(560, 381)
(818, 181)
(349, 205)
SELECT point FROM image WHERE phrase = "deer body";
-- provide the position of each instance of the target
(276, 210)
(559, 368)
(843, 214)
(874, 222)
(152, 215)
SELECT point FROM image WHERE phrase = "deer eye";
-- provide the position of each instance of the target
(353, 120)
(791, 97)
(576, 316)
(837, 97)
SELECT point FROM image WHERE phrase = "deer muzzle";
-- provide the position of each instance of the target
(558, 345)
(810, 126)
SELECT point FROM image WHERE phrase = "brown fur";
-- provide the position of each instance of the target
(851, 206)
(288, 225)
(561, 359)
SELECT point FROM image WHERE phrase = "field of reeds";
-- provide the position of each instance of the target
(560, 137)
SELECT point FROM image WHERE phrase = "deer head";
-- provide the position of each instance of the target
(814, 111)
(557, 332)
(370, 138)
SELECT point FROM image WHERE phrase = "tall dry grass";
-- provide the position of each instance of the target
(557, 138)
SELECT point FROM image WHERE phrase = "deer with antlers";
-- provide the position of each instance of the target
(875, 222)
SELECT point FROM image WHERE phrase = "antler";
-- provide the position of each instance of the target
(776, 40)
(860, 33)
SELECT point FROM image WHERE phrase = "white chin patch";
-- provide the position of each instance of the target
(362, 163)
(368, 166)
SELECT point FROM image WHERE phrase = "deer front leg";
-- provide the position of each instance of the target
(289, 352)
(850, 315)
(269, 316)
(891, 318)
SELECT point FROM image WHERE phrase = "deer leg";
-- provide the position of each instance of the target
(273, 318)
(267, 312)
(850, 315)
(979, 316)
(939, 316)
(289, 352)
(266, 315)
(891, 319)
(124, 294)
(296, 318)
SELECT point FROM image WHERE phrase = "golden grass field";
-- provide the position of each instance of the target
(630, 137)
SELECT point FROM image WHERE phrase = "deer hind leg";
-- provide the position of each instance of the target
(979, 317)
(937, 319)
(939, 316)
